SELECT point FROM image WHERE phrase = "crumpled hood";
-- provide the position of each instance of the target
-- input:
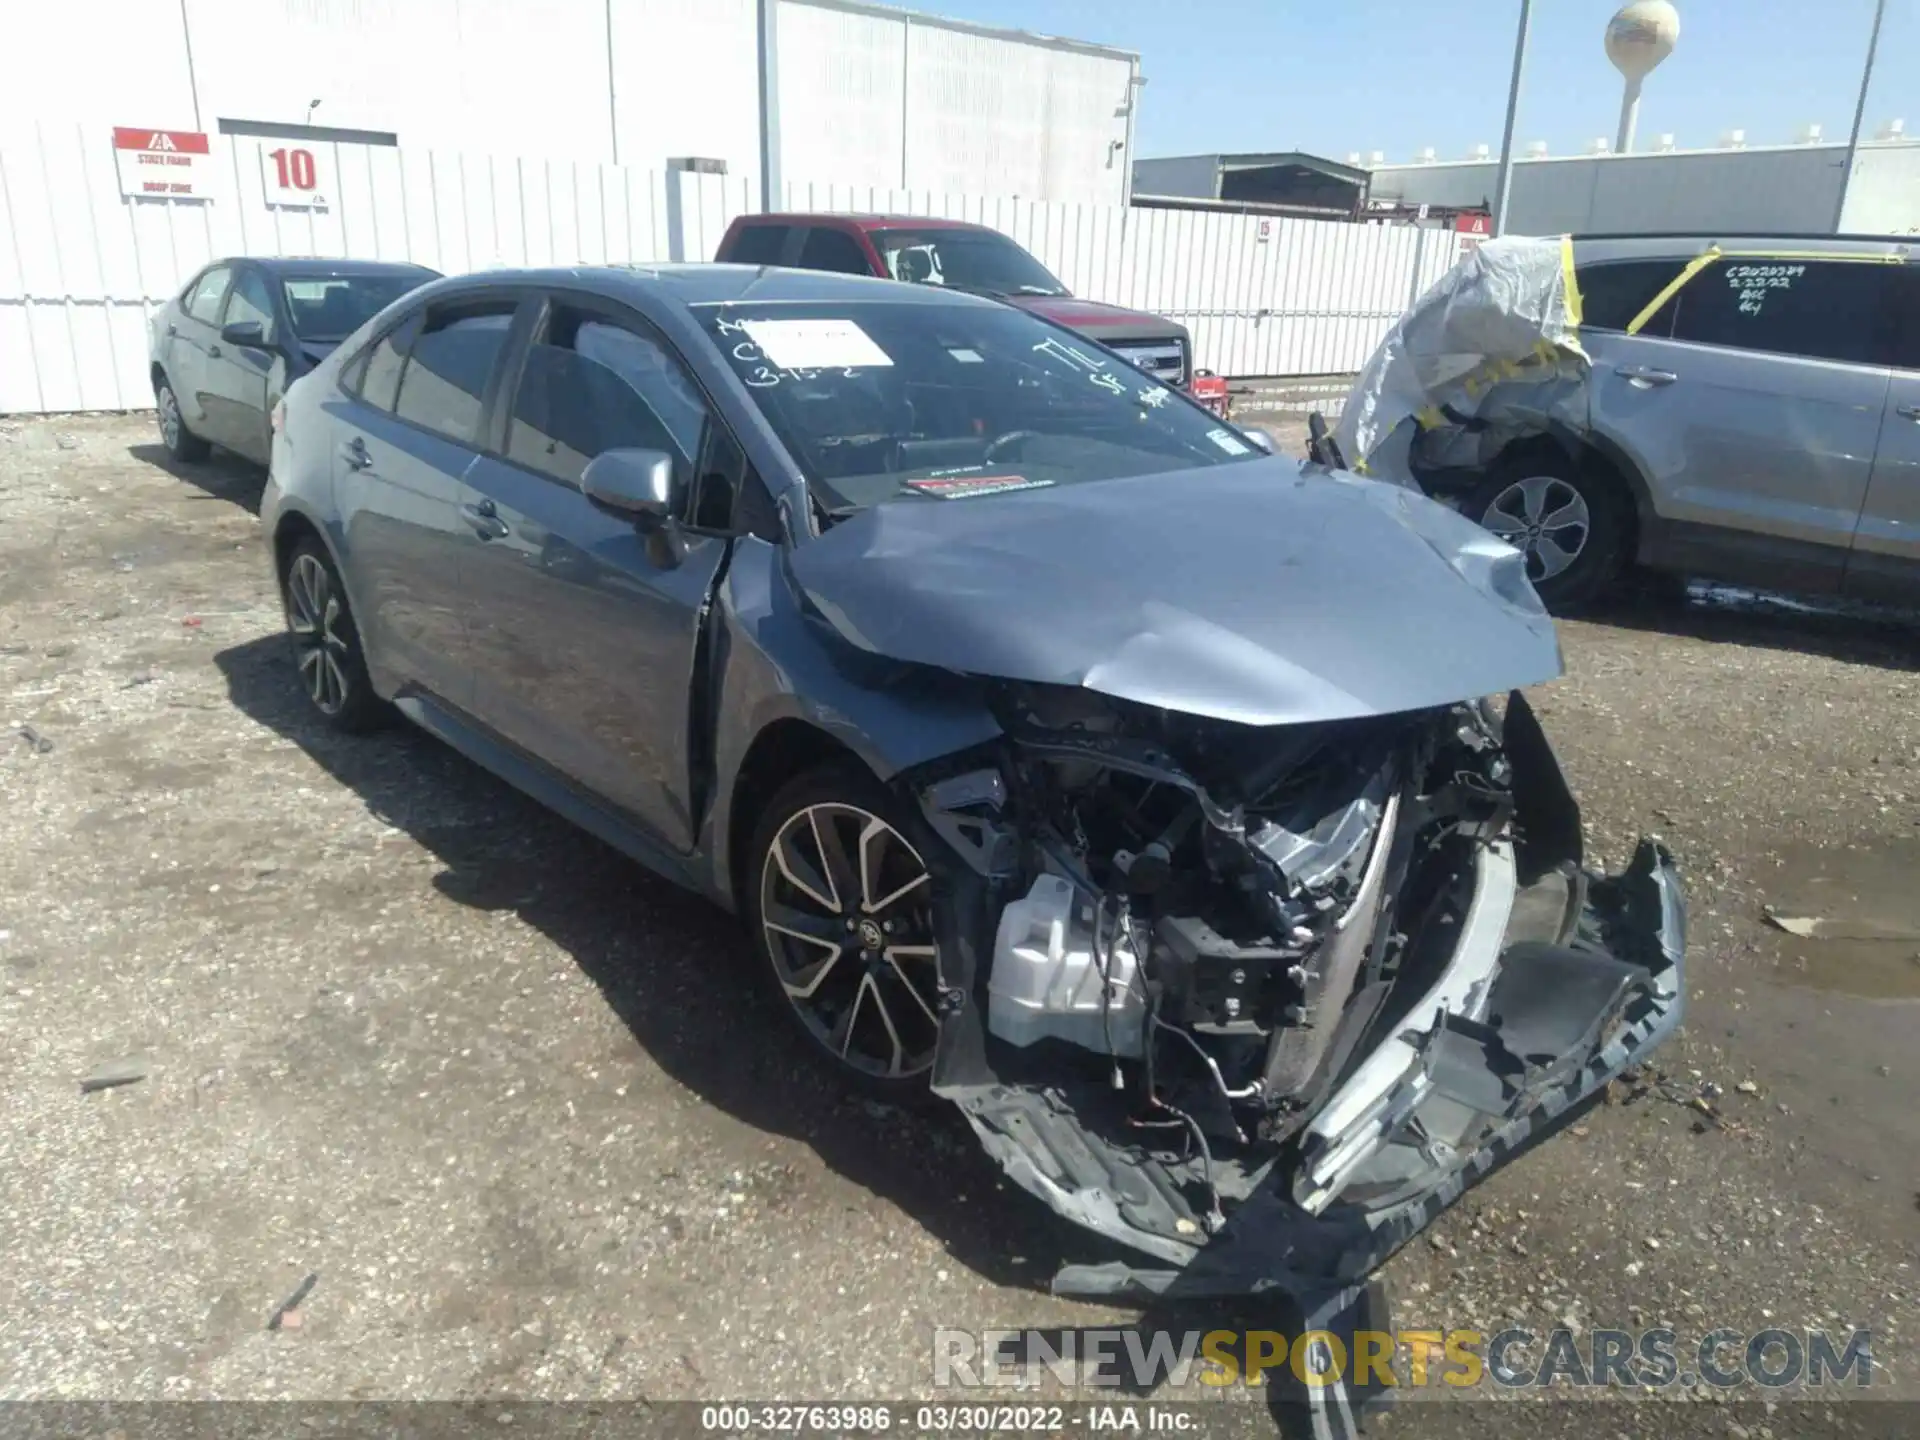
(1100, 322)
(1257, 592)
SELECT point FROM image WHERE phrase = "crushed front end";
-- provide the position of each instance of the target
(1258, 1002)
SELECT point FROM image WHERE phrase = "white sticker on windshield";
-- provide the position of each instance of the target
(967, 357)
(1224, 439)
(815, 344)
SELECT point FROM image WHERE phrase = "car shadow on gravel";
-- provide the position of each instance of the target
(674, 968)
(1833, 629)
(221, 476)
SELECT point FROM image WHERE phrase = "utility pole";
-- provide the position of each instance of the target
(771, 195)
(1513, 109)
(1859, 114)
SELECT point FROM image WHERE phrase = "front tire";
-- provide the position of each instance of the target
(1568, 519)
(182, 444)
(326, 643)
(841, 908)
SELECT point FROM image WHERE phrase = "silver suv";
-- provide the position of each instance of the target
(1753, 415)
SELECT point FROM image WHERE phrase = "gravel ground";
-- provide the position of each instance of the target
(505, 1094)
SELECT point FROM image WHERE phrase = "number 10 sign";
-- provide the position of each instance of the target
(292, 176)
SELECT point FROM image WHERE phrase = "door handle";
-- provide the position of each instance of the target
(1646, 374)
(1909, 412)
(173, 329)
(485, 520)
(213, 352)
(354, 454)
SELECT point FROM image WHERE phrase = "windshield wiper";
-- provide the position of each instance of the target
(1038, 290)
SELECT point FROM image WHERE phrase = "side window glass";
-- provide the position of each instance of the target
(204, 303)
(1820, 309)
(591, 386)
(380, 385)
(1906, 350)
(354, 373)
(833, 250)
(446, 377)
(251, 301)
(759, 245)
(1614, 292)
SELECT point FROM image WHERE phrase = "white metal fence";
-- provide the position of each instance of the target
(82, 268)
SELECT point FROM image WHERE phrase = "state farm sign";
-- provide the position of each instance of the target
(163, 164)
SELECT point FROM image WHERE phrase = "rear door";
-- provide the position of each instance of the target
(585, 627)
(410, 438)
(1885, 563)
(1752, 404)
(239, 378)
(195, 332)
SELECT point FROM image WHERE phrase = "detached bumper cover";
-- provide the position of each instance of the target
(1490, 1060)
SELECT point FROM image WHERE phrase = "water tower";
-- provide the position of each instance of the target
(1640, 35)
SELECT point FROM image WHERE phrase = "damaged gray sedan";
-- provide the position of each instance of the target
(1170, 809)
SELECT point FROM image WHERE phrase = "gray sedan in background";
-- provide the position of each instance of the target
(222, 352)
(1065, 754)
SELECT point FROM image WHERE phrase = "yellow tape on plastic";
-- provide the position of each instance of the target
(1574, 311)
(1672, 288)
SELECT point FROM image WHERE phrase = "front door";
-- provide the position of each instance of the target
(585, 626)
(1752, 403)
(239, 378)
(1885, 563)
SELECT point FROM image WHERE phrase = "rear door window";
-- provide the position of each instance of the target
(1613, 292)
(204, 303)
(833, 250)
(445, 381)
(1818, 309)
(758, 245)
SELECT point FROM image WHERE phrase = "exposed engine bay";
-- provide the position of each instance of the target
(1196, 970)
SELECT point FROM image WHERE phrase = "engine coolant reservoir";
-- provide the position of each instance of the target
(1046, 982)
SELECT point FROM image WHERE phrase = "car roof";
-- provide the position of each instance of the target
(859, 221)
(713, 284)
(1686, 244)
(317, 267)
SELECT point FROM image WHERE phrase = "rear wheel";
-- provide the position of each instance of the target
(326, 643)
(841, 905)
(182, 444)
(1568, 519)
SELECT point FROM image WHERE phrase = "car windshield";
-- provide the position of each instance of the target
(887, 400)
(328, 308)
(981, 260)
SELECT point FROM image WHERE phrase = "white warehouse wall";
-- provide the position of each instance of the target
(1791, 189)
(984, 115)
(868, 95)
(843, 95)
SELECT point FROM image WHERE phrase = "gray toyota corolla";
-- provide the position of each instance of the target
(1170, 808)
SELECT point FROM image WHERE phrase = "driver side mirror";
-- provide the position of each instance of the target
(247, 334)
(636, 483)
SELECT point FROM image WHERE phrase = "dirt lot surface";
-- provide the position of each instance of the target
(504, 1094)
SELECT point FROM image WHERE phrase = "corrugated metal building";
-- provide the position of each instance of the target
(867, 95)
(1788, 188)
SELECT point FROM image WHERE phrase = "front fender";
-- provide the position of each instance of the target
(774, 662)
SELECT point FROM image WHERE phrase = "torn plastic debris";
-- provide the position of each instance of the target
(1490, 352)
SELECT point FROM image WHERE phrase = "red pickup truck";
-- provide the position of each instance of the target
(926, 251)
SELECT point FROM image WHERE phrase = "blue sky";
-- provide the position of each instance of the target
(1397, 75)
